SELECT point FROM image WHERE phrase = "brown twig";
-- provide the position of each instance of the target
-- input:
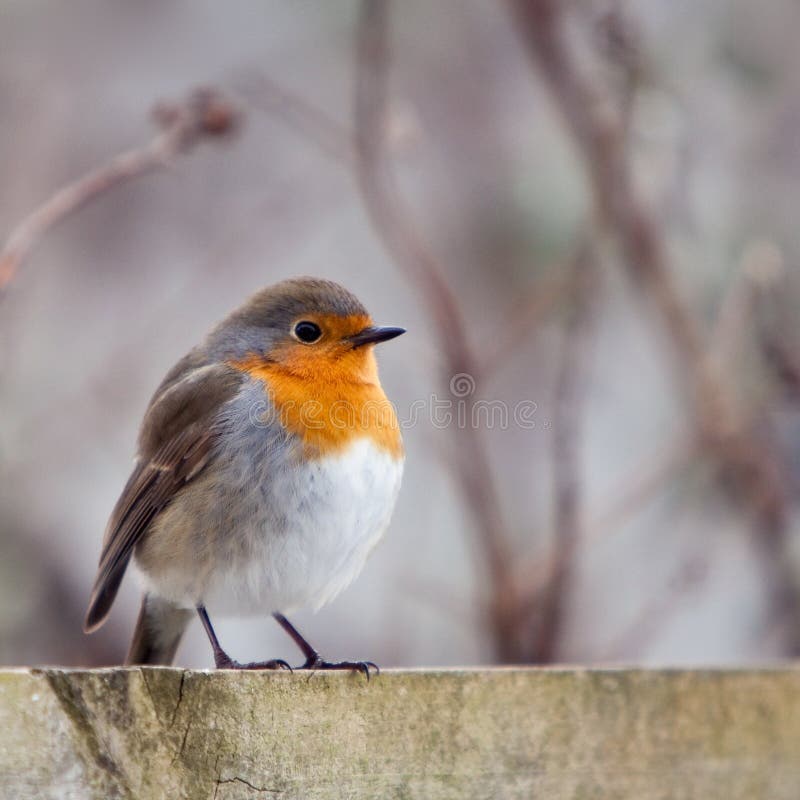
(536, 573)
(204, 114)
(525, 316)
(641, 486)
(302, 117)
(783, 360)
(422, 269)
(567, 430)
(761, 267)
(49, 633)
(651, 618)
(618, 40)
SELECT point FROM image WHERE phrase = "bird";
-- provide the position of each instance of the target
(268, 465)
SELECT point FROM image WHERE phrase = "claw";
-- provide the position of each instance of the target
(316, 663)
(274, 663)
(222, 661)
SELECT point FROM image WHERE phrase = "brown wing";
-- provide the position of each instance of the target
(175, 444)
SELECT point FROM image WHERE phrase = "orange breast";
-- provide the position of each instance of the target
(330, 405)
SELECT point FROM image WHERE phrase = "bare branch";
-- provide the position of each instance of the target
(567, 431)
(525, 316)
(536, 573)
(204, 114)
(690, 574)
(302, 117)
(761, 266)
(641, 486)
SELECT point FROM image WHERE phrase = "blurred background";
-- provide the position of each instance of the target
(587, 211)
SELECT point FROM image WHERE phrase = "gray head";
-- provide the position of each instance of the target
(295, 318)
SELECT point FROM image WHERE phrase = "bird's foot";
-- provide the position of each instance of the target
(316, 662)
(223, 661)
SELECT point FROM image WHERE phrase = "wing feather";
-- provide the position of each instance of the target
(176, 443)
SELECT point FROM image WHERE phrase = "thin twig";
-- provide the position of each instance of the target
(618, 40)
(422, 269)
(302, 117)
(761, 266)
(783, 360)
(690, 574)
(206, 113)
(567, 432)
(525, 316)
(641, 486)
(536, 573)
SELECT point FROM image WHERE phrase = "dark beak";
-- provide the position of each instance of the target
(374, 335)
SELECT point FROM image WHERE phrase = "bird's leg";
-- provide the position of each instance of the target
(314, 660)
(223, 661)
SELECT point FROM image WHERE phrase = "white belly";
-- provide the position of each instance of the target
(307, 534)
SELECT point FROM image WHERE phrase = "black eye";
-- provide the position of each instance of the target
(307, 332)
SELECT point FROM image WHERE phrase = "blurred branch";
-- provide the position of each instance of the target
(304, 118)
(761, 267)
(205, 114)
(58, 608)
(690, 574)
(525, 316)
(783, 361)
(536, 573)
(598, 130)
(567, 434)
(765, 274)
(422, 269)
(618, 39)
(642, 485)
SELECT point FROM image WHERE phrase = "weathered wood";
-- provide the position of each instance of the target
(153, 733)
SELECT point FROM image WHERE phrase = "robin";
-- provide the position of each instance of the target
(269, 461)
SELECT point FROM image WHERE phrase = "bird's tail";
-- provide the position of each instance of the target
(158, 631)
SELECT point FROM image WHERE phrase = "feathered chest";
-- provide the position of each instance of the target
(300, 528)
(327, 409)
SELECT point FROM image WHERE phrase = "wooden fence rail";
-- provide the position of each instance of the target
(495, 733)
